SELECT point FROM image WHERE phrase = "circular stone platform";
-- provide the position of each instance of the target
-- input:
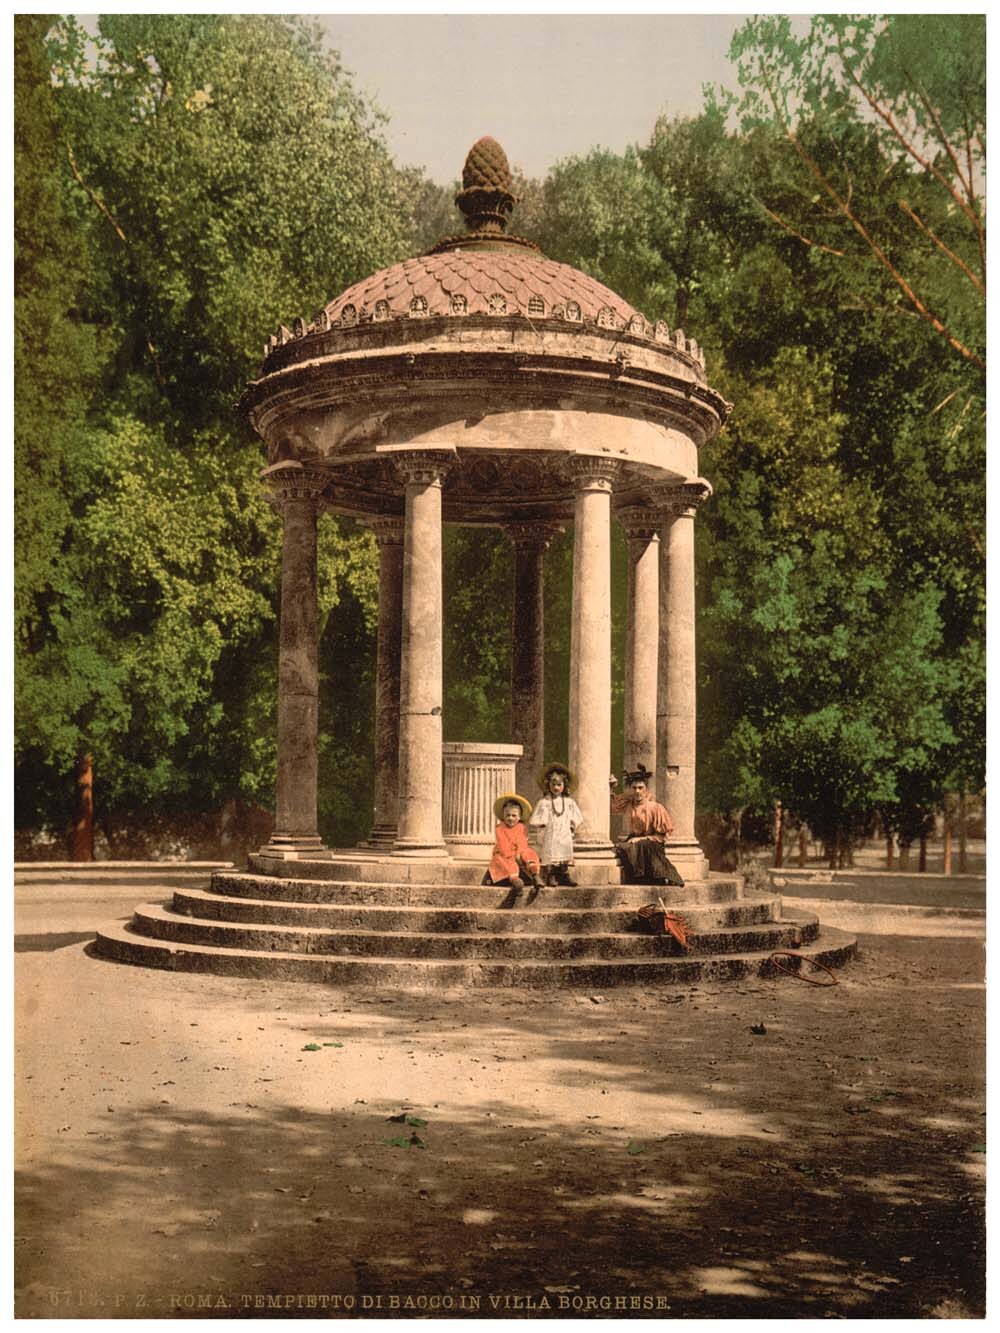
(334, 921)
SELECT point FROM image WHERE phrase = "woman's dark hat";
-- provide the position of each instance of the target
(510, 798)
(639, 774)
(549, 769)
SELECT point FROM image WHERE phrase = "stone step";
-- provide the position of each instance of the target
(536, 918)
(234, 884)
(124, 945)
(160, 923)
(380, 868)
(103, 874)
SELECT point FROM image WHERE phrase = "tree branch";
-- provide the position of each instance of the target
(93, 195)
(974, 536)
(909, 147)
(99, 202)
(804, 239)
(969, 185)
(864, 233)
(979, 285)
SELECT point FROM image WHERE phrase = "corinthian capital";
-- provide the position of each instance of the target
(532, 536)
(422, 467)
(388, 528)
(590, 473)
(682, 500)
(294, 481)
(640, 522)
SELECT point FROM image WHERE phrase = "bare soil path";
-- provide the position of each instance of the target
(206, 1146)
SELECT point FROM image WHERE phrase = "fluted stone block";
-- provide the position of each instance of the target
(474, 776)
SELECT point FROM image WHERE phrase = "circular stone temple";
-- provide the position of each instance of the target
(483, 384)
(480, 384)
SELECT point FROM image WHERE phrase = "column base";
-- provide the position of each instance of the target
(689, 859)
(296, 847)
(423, 850)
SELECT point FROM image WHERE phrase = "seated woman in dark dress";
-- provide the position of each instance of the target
(642, 853)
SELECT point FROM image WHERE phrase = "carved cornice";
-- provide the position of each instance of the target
(683, 500)
(388, 528)
(589, 473)
(532, 536)
(291, 481)
(640, 523)
(422, 468)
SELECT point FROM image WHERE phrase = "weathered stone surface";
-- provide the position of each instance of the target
(124, 945)
(455, 890)
(590, 655)
(155, 922)
(642, 630)
(536, 918)
(420, 685)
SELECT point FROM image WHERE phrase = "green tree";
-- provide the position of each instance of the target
(220, 173)
(914, 88)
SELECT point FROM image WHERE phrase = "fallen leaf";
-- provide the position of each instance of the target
(312, 1046)
(634, 1149)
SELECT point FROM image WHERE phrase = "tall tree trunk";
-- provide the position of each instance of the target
(841, 850)
(830, 852)
(803, 846)
(81, 847)
(922, 864)
(683, 297)
(946, 849)
(779, 835)
(890, 847)
(963, 848)
(904, 854)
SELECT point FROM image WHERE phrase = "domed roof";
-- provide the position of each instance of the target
(480, 282)
(483, 271)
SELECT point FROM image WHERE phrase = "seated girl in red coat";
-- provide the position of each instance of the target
(511, 853)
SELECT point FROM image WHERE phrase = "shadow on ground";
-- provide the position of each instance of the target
(830, 1166)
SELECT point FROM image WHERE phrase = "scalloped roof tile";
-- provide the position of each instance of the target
(477, 275)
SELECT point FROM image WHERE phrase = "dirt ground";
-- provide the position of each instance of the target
(183, 1151)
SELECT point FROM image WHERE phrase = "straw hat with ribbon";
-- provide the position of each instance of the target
(506, 799)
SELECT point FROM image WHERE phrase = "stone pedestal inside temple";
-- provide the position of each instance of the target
(474, 776)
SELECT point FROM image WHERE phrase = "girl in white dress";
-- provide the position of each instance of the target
(558, 816)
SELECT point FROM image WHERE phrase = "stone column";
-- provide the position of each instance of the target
(420, 685)
(527, 665)
(295, 491)
(642, 635)
(676, 742)
(590, 655)
(388, 530)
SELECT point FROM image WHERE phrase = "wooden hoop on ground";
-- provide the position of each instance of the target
(796, 972)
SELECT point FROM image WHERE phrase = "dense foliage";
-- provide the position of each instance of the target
(187, 181)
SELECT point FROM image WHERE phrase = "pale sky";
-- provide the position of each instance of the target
(547, 86)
